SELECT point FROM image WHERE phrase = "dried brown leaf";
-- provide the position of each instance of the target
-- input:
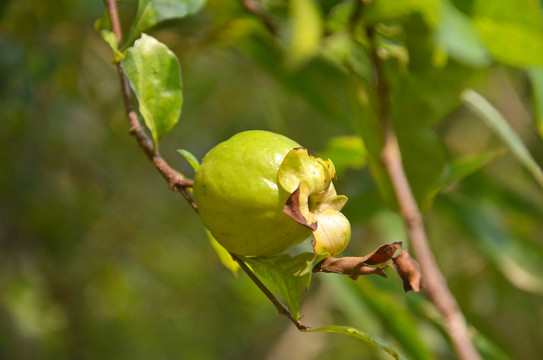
(349, 265)
(382, 254)
(409, 271)
(356, 266)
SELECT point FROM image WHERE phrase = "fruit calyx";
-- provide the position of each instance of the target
(313, 201)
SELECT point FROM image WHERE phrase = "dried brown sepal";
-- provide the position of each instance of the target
(349, 265)
(356, 266)
(292, 209)
(409, 271)
(382, 254)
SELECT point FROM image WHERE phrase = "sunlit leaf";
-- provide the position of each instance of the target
(306, 31)
(151, 12)
(155, 77)
(512, 30)
(369, 338)
(110, 38)
(511, 43)
(346, 152)
(224, 255)
(384, 10)
(497, 123)
(190, 158)
(290, 275)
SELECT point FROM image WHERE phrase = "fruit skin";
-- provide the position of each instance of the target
(239, 199)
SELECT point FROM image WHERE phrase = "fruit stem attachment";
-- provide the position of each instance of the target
(283, 310)
(176, 180)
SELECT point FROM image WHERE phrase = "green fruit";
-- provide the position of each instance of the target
(239, 199)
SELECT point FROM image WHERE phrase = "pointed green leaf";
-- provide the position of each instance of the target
(190, 158)
(151, 12)
(497, 123)
(224, 255)
(537, 85)
(369, 338)
(463, 167)
(290, 275)
(110, 38)
(155, 77)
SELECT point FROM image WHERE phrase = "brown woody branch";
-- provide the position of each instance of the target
(435, 283)
(176, 181)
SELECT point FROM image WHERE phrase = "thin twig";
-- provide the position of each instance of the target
(280, 307)
(434, 282)
(176, 181)
(254, 8)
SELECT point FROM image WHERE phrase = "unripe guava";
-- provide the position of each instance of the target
(249, 193)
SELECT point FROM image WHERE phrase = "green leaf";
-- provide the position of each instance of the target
(306, 31)
(497, 123)
(103, 23)
(537, 84)
(155, 77)
(437, 93)
(424, 159)
(290, 275)
(151, 12)
(512, 30)
(110, 38)
(387, 10)
(224, 255)
(381, 310)
(190, 158)
(461, 168)
(511, 44)
(372, 339)
(519, 264)
(460, 38)
(346, 152)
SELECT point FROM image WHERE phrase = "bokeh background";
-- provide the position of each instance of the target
(100, 260)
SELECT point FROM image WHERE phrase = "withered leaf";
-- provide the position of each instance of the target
(356, 266)
(348, 265)
(382, 254)
(409, 271)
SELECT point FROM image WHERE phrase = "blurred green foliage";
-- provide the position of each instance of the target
(98, 259)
